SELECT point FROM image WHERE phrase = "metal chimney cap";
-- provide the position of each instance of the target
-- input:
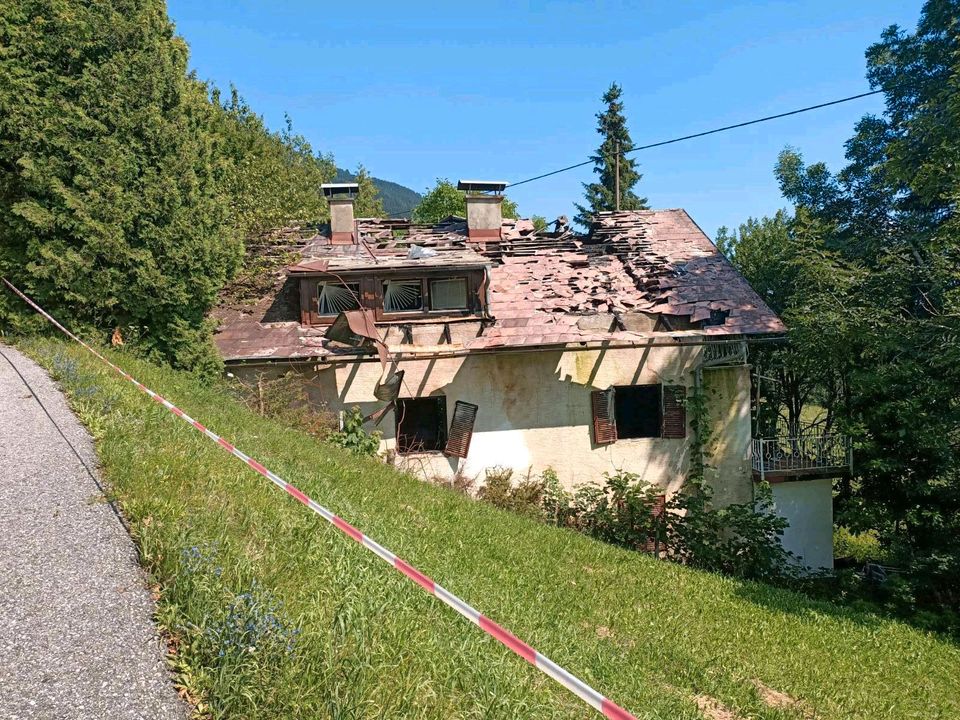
(487, 186)
(347, 190)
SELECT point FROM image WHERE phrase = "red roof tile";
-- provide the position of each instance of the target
(655, 262)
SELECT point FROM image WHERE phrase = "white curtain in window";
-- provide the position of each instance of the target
(448, 294)
(336, 298)
(402, 295)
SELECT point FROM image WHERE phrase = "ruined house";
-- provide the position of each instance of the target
(481, 342)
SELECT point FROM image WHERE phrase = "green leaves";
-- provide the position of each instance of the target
(866, 275)
(126, 188)
(444, 200)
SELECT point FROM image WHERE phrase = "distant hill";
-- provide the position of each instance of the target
(397, 199)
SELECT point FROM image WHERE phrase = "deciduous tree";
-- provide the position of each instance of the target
(444, 200)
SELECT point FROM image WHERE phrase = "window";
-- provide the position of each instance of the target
(448, 294)
(402, 295)
(394, 294)
(639, 411)
(421, 424)
(335, 297)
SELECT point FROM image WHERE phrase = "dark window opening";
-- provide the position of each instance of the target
(637, 411)
(717, 317)
(421, 424)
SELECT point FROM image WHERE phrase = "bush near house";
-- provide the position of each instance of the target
(276, 614)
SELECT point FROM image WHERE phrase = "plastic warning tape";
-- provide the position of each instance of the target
(574, 684)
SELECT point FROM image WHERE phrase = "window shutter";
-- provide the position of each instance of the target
(674, 411)
(604, 422)
(461, 430)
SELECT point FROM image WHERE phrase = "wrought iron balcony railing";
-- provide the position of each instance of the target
(814, 454)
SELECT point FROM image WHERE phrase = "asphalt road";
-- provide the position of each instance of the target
(76, 635)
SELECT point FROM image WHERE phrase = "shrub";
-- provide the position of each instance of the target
(285, 399)
(860, 547)
(739, 540)
(525, 498)
(742, 540)
(353, 437)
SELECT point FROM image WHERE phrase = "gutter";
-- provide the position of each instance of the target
(437, 355)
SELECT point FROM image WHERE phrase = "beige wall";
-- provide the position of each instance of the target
(535, 411)
(808, 506)
(727, 451)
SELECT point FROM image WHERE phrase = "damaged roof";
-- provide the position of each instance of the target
(634, 275)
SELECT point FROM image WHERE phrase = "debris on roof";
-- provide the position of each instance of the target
(633, 274)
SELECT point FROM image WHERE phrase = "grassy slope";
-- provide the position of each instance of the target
(649, 634)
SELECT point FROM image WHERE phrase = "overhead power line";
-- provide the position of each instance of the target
(683, 138)
(703, 134)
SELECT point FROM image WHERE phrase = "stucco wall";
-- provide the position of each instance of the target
(535, 411)
(727, 452)
(808, 506)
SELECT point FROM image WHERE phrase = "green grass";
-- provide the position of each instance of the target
(372, 644)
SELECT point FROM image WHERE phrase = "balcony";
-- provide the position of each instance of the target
(801, 457)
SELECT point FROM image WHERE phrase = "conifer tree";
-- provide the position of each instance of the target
(601, 195)
(111, 210)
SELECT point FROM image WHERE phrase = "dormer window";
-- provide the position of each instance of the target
(393, 294)
(403, 295)
(334, 297)
(448, 294)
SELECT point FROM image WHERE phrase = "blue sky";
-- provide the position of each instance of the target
(507, 90)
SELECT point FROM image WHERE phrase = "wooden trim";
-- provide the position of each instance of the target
(674, 411)
(371, 294)
(461, 429)
(604, 422)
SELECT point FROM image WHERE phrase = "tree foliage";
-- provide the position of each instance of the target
(444, 200)
(397, 199)
(868, 272)
(368, 202)
(269, 177)
(602, 195)
(110, 204)
(126, 185)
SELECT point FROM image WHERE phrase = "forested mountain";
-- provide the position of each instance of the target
(397, 199)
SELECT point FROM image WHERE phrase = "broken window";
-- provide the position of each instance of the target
(639, 411)
(421, 424)
(448, 294)
(334, 297)
(402, 295)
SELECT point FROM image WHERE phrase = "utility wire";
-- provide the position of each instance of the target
(703, 134)
(683, 138)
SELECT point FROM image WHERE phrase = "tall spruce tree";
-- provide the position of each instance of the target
(602, 195)
(111, 207)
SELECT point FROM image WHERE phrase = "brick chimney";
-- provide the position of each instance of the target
(484, 212)
(341, 197)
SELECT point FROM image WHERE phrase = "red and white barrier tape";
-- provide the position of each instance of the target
(574, 684)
